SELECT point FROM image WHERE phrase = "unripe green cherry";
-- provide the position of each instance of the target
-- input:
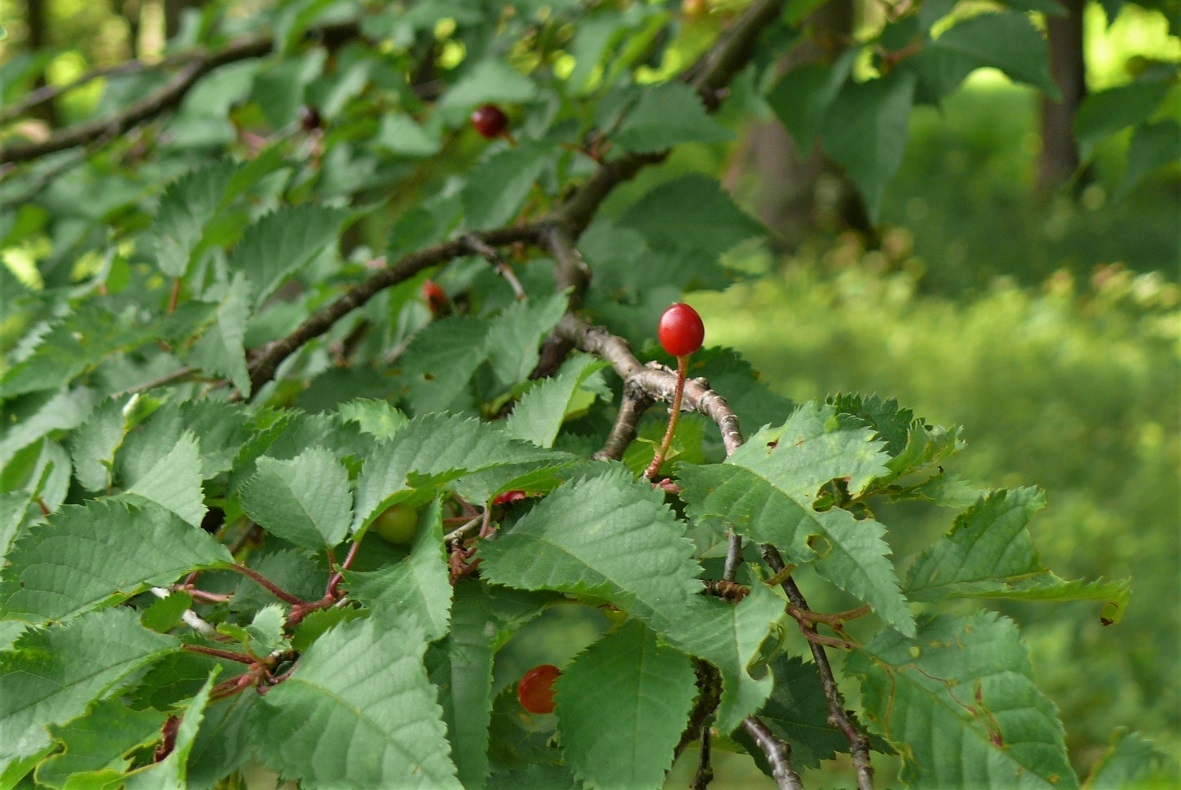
(398, 524)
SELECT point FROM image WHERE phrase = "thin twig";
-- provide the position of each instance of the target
(858, 741)
(705, 770)
(778, 754)
(502, 267)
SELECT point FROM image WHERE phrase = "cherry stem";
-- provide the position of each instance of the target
(682, 371)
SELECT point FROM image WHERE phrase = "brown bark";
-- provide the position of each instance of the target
(1059, 158)
(37, 18)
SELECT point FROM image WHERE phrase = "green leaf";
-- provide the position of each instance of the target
(802, 97)
(305, 500)
(281, 243)
(440, 362)
(417, 588)
(93, 445)
(539, 414)
(279, 88)
(174, 482)
(358, 711)
(166, 613)
(622, 706)
(103, 551)
(1106, 112)
(693, 216)
(865, 130)
(399, 134)
(729, 637)
(222, 745)
(186, 208)
(221, 348)
(172, 771)
(1007, 41)
(460, 665)
(797, 711)
(1153, 145)
(667, 115)
(768, 488)
(438, 448)
(51, 675)
(989, 553)
(513, 337)
(496, 189)
(1131, 761)
(609, 538)
(491, 80)
(107, 731)
(959, 703)
(374, 417)
(61, 412)
(914, 445)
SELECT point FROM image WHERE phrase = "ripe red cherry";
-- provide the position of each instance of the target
(309, 118)
(490, 121)
(435, 297)
(536, 689)
(681, 330)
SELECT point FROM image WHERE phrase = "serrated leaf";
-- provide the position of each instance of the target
(959, 703)
(358, 711)
(622, 705)
(460, 666)
(913, 444)
(866, 129)
(222, 427)
(108, 730)
(221, 349)
(1007, 41)
(281, 243)
(437, 449)
(172, 771)
(174, 482)
(729, 637)
(166, 613)
(989, 553)
(1153, 145)
(51, 675)
(103, 551)
(417, 588)
(539, 414)
(665, 116)
(1130, 761)
(375, 417)
(305, 500)
(440, 361)
(607, 537)
(65, 410)
(186, 207)
(222, 745)
(514, 335)
(497, 188)
(803, 95)
(691, 214)
(491, 80)
(767, 490)
(93, 445)
(797, 711)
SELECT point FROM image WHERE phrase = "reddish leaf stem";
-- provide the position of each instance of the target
(269, 585)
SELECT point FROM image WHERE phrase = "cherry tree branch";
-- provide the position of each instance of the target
(263, 367)
(192, 67)
(778, 754)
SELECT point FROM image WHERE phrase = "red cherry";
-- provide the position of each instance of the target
(435, 297)
(490, 121)
(681, 330)
(536, 689)
(508, 496)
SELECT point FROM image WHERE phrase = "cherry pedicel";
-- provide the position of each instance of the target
(536, 689)
(490, 121)
(681, 332)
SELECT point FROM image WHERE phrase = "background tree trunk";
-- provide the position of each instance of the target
(37, 18)
(1059, 157)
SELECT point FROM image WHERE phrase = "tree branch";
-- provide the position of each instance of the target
(778, 754)
(192, 68)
